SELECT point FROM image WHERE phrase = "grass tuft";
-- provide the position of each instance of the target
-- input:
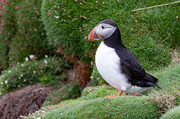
(165, 101)
(172, 114)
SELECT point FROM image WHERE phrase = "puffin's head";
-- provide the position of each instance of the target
(103, 30)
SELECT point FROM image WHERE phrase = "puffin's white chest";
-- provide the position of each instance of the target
(108, 65)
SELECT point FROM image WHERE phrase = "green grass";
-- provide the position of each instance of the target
(149, 34)
(172, 114)
(92, 103)
(107, 108)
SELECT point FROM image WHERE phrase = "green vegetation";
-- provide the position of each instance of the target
(31, 72)
(92, 103)
(106, 108)
(96, 78)
(145, 33)
(172, 114)
(69, 91)
(22, 32)
(39, 27)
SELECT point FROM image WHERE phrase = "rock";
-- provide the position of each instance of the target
(23, 101)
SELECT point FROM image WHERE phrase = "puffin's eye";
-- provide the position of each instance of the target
(102, 27)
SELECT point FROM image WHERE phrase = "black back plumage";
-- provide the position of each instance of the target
(130, 66)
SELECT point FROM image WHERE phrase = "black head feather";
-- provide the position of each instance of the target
(109, 21)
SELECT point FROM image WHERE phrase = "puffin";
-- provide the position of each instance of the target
(116, 64)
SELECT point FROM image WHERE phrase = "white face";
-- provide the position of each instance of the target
(105, 30)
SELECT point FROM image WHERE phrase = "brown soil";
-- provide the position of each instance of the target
(23, 101)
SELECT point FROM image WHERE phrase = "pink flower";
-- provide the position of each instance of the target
(31, 56)
(91, 62)
(16, 7)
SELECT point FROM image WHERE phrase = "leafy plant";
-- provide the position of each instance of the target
(50, 79)
(30, 72)
(69, 91)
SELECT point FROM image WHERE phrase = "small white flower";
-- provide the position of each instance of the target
(21, 75)
(43, 111)
(46, 56)
(45, 61)
(34, 72)
(31, 56)
(22, 65)
(26, 59)
(1, 83)
(57, 17)
(9, 71)
(6, 81)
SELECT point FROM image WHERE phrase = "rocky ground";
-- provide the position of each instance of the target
(23, 101)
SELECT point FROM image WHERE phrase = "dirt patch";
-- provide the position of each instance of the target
(175, 56)
(23, 101)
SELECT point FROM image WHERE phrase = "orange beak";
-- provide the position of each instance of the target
(93, 35)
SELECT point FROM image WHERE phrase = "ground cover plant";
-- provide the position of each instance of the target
(172, 114)
(32, 72)
(148, 34)
(21, 31)
(33, 27)
(92, 103)
(68, 91)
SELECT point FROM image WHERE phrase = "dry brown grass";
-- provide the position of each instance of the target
(82, 70)
(165, 101)
(175, 56)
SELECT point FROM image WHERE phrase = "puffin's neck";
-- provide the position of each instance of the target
(114, 40)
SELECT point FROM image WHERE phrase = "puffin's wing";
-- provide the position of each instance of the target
(134, 71)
